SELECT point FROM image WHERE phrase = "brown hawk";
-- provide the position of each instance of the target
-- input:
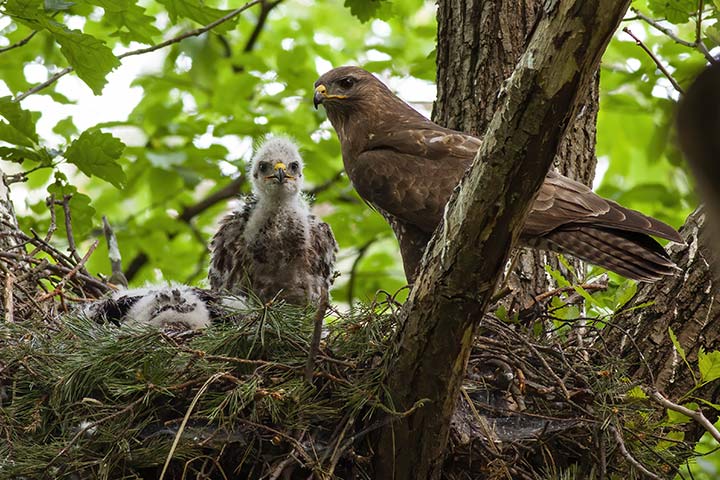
(407, 167)
(273, 246)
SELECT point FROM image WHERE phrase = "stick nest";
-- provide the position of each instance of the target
(79, 400)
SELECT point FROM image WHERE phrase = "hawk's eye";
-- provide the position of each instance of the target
(346, 82)
(294, 167)
(264, 168)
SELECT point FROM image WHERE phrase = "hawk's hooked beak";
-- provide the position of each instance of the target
(320, 94)
(280, 174)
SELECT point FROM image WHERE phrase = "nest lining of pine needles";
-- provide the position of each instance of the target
(81, 400)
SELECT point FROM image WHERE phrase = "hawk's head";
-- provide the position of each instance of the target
(276, 169)
(344, 86)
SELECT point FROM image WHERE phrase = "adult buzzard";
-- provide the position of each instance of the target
(273, 246)
(407, 167)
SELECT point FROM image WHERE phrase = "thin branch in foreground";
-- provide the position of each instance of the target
(696, 415)
(317, 334)
(19, 43)
(628, 456)
(697, 44)
(657, 61)
(54, 78)
(663, 29)
(68, 227)
(71, 273)
(117, 277)
(140, 51)
(56, 269)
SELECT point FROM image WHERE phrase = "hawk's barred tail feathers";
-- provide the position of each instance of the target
(631, 254)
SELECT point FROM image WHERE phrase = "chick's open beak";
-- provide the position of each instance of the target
(279, 174)
(320, 94)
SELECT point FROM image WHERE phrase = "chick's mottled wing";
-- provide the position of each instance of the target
(411, 173)
(323, 248)
(229, 262)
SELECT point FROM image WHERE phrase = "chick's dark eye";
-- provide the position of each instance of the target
(294, 166)
(264, 167)
(346, 82)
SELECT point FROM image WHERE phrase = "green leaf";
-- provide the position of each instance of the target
(364, 10)
(195, 11)
(23, 8)
(676, 344)
(12, 135)
(95, 153)
(637, 393)
(709, 365)
(20, 119)
(90, 57)
(673, 438)
(20, 154)
(677, 418)
(675, 11)
(128, 15)
(586, 295)
(708, 403)
(557, 276)
(502, 314)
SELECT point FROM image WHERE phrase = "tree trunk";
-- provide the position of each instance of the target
(689, 304)
(479, 44)
(452, 292)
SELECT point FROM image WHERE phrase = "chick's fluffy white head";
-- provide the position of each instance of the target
(277, 169)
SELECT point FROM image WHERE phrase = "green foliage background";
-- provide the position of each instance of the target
(252, 76)
(207, 100)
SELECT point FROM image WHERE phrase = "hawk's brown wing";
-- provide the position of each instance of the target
(569, 217)
(563, 202)
(411, 173)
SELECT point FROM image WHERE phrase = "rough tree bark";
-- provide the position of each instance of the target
(479, 44)
(451, 292)
(689, 304)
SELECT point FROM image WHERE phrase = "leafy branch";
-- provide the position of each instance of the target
(697, 44)
(140, 51)
(20, 43)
